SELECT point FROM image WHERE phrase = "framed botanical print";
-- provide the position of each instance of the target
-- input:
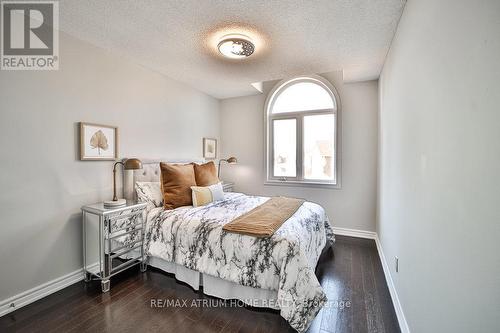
(98, 142)
(209, 148)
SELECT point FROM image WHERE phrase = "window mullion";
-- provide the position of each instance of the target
(270, 152)
(300, 147)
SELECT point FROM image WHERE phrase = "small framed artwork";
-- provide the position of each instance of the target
(209, 148)
(98, 142)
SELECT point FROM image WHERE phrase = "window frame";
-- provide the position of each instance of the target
(269, 118)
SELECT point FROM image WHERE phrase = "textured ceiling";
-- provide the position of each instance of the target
(178, 38)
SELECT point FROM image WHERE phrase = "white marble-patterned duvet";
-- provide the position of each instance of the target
(285, 262)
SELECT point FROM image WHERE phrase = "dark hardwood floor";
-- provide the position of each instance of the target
(350, 273)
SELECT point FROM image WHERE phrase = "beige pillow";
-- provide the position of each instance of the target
(203, 195)
(176, 182)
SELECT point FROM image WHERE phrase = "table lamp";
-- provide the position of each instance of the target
(128, 164)
(230, 160)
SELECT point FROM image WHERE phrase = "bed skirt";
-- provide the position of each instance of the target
(215, 286)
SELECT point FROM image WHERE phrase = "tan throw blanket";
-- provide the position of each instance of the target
(264, 220)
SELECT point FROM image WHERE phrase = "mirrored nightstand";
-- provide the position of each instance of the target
(111, 234)
(227, 187)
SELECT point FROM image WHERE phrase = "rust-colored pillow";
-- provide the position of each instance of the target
(176, 182)
(206, 174)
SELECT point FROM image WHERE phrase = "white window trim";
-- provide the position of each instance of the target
(271, 98)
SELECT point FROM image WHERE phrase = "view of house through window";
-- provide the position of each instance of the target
(319, 147)
(302, 132)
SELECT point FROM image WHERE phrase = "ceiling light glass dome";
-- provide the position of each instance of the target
(236, 46)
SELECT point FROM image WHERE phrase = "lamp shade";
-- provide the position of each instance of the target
(232, 160)
(132, 164)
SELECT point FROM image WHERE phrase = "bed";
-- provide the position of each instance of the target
(275, 272)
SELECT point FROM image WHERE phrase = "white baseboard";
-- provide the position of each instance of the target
(354, 233)
(403, 324)
(29, 296)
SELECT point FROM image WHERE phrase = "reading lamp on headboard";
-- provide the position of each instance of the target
(129, 164)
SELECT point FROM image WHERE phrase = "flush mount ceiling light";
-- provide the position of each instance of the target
(236, 46)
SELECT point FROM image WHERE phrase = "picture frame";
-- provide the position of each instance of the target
(209, 148)
(98, 142)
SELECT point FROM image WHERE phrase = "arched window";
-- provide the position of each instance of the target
(302, 117)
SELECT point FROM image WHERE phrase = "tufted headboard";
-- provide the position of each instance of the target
(150, 172)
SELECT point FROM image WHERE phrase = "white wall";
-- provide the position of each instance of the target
(353, 206)
(43, 183)
(439, 208)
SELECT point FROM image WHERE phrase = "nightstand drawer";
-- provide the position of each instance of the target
(124, 249)
(128, 241)
(123, 222)
(127, 230)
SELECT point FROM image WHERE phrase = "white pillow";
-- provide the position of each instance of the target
(149, 192)
(217, 191)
